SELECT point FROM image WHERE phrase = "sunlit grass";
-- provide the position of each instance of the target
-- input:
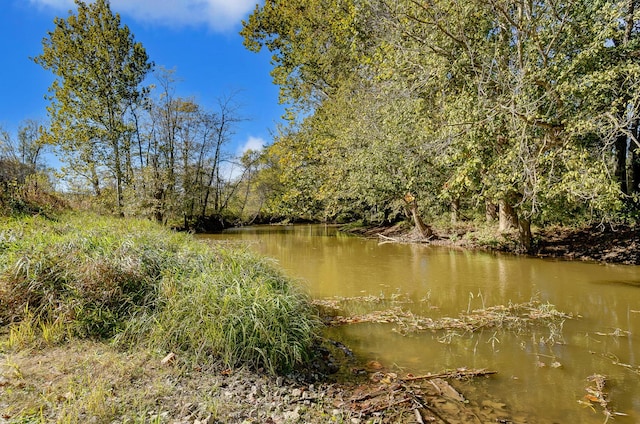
(86, 381)
(139, 284)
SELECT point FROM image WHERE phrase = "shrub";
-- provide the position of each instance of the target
(138, 283)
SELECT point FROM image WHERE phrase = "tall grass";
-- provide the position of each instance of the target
(136, 283)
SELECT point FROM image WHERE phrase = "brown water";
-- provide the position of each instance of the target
(443, 282)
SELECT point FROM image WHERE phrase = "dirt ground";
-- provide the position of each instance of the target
(611, 245)
(607, 244)
(91, 382)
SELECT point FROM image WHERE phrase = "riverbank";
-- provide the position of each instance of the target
(48, 376)
(136, 290)
(596, 243)
(89, 381)
(122, 321)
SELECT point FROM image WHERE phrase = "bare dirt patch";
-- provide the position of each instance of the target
(596, 243)
(601, 244)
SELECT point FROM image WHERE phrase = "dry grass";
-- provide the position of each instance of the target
(85, 381)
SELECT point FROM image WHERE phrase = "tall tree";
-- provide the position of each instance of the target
(521, 104)
(99, 70)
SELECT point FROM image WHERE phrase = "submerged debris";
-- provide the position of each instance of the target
(618, 332)
(501, 316)
(616, 361)
(430, 398)
(596, 395)
(458, 374)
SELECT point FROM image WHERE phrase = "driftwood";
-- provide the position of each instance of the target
(430, 397)
(388, 239)
(459, 374)
(616, 361)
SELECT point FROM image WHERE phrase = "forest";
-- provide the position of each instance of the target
(512, 113)
(523, 112)
(127, 143)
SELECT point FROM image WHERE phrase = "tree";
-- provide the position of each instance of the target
(99, 70)
(31, 143)
(316, 45)
(529, 106)
(25, 152)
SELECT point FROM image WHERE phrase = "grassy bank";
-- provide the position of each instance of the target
(137, 285)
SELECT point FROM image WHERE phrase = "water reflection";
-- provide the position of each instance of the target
(445, 282)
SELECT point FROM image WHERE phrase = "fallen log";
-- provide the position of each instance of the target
(459, 374)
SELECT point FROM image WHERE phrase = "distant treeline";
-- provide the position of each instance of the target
(126, 147)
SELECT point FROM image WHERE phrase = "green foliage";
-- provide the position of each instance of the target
(92, 279)
(123, 150)
(530, 105)
(85, 276)
(99, 69)
(243, 310)
(33, 195)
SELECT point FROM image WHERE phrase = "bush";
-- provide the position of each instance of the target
(31, 195)
(138, 283)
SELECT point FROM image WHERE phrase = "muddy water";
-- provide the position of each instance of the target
(542, 372)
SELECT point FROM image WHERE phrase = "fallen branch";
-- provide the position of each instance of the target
(616, 333)
(616, 361)
(459, 374)
(431, 396)
(388, 239)
(378, 408)
(375, 393)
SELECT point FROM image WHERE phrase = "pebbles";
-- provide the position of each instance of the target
(245, 397)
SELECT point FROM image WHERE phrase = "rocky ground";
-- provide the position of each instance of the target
(89, 382)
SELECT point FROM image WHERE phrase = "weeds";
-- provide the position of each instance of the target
(136, 283)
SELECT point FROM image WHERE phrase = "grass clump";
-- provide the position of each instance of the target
(138, 284)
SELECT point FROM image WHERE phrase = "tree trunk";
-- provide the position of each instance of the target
(621, 162)
(508, 218)
(634, 156)
(119, 179)
(424, 229)
(491, 211)
(95, 181)
(524, 229)
(635, 170)
(158, 206)
(207, 191)
(455, 210)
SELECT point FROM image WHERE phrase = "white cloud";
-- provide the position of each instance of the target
(218, 15)
(232, 170)
(253, 143)
(56, 4)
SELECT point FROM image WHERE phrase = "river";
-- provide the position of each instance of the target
(542, 372)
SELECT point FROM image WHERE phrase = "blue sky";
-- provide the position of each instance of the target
(197, 38)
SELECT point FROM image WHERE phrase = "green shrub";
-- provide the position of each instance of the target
(138, 283)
